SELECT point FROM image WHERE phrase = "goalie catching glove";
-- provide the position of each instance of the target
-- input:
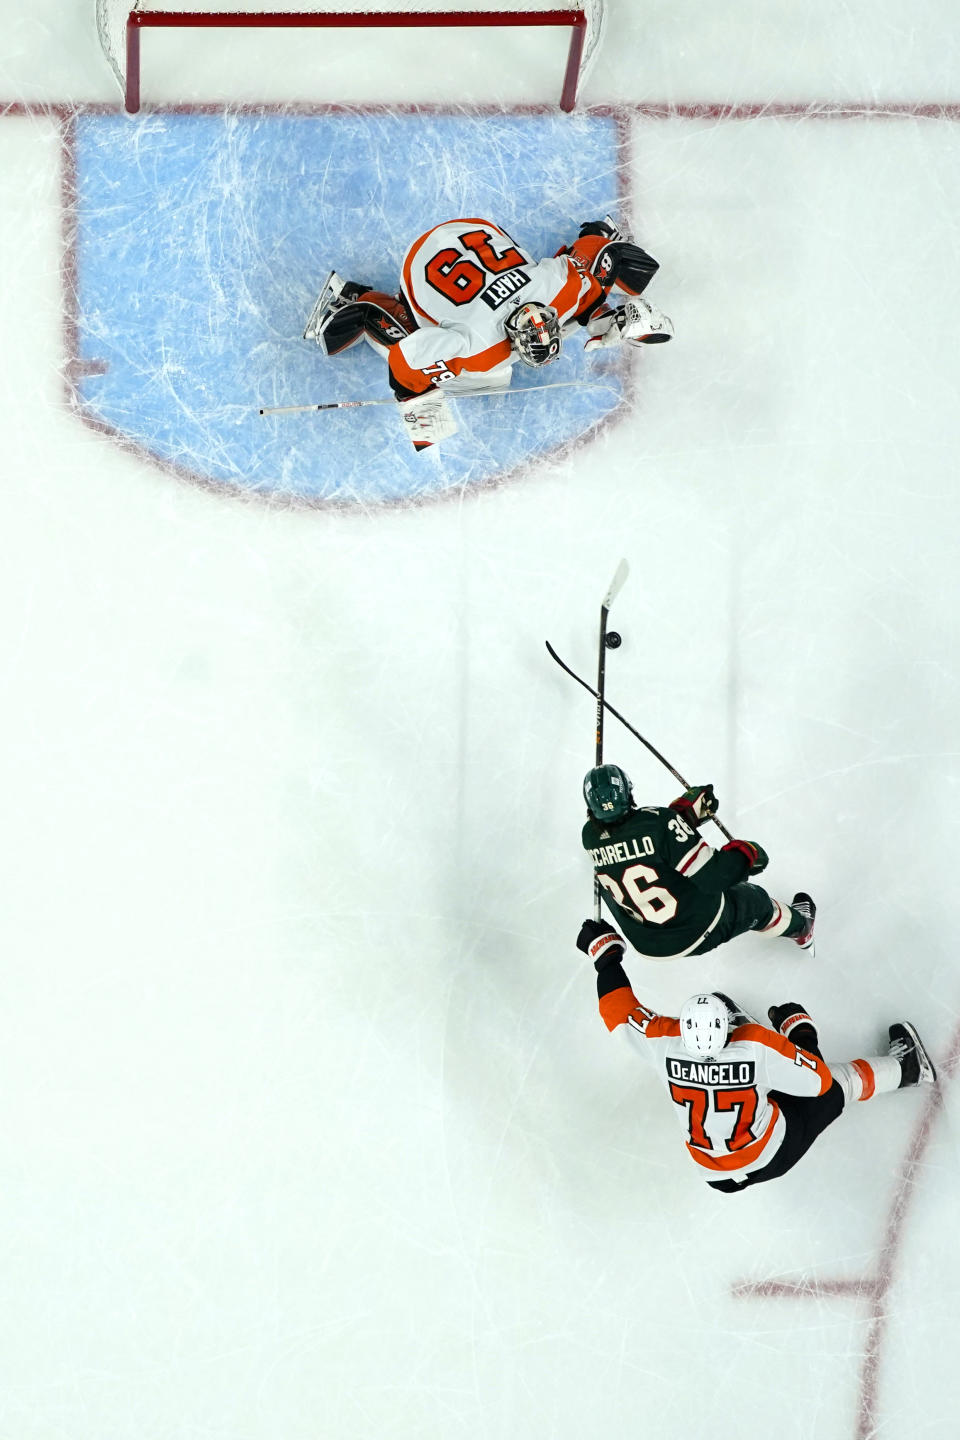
(696, 804)
(636, 323)
(601, 942)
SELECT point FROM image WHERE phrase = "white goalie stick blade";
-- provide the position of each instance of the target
(331, 290)
(427, 419)
(616, 584)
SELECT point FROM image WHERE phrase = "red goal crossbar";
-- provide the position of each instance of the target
(355, 20)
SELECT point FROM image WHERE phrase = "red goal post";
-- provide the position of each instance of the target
(120, 23)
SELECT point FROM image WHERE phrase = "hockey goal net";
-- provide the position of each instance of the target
(121, 24)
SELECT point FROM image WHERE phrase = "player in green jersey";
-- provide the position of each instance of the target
(669, 892)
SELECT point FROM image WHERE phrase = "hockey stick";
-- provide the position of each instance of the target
(636, 733)
(453, 394)
(606, 641)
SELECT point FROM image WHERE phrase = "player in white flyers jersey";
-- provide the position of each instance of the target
(751, 1099)
(472, 302)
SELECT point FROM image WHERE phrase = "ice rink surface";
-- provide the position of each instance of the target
(311, 1128)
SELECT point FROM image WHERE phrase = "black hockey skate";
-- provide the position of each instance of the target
(803, 904)
(916, 1067)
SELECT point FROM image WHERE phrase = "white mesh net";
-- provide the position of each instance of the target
(112, 16)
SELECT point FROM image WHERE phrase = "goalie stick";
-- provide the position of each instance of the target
(453, 394)
(615, 586)
(604, 703)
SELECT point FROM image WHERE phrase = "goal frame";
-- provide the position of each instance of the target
(139, 20)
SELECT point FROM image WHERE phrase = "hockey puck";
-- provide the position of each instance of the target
(613, 640)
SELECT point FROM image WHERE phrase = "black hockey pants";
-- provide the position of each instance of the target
(806, 1119)
(746, 907)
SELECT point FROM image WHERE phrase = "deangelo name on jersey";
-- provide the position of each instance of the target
(620, 853)
(711, 1072)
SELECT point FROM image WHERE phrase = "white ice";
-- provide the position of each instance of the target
(310, 1128)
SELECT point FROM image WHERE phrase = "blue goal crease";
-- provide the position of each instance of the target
(202, 241)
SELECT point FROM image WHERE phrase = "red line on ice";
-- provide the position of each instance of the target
(872, 1287)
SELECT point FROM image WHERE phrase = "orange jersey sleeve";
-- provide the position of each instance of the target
(788, 1068)
(579, 290)
(435, 354)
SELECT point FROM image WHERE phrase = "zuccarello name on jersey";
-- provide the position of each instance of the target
(632, 849)
(712, 1072)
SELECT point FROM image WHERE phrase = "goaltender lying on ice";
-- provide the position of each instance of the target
(472, 302)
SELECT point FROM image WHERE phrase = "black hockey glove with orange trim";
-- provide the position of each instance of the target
(601, 942)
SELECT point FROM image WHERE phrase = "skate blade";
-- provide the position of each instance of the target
(331, 288)
(928, 1071)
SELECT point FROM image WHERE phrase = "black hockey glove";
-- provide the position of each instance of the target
(696, 804)
(786, 1017)
(601, 942)
(754, 854)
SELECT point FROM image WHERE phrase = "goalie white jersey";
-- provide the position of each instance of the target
(461, 280)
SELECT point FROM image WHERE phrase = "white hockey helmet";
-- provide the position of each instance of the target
(704, 1025)
(534, 332)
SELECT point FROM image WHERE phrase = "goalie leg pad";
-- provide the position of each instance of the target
(341, 328)
(335, 295)
(377, 318)
(386, 320)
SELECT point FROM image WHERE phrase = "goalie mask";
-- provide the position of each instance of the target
(534, 333)
(704, 1025)
(608, 793)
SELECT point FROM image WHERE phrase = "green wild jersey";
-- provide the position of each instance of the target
(661, 882)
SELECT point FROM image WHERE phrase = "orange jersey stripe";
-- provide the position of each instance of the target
(867, 1077)
(774, 1041)
(410, 379)
(568, 299)
(487, 359)
(419, 383)
(407, 279)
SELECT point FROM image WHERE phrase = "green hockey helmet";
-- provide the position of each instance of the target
(608, 793)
